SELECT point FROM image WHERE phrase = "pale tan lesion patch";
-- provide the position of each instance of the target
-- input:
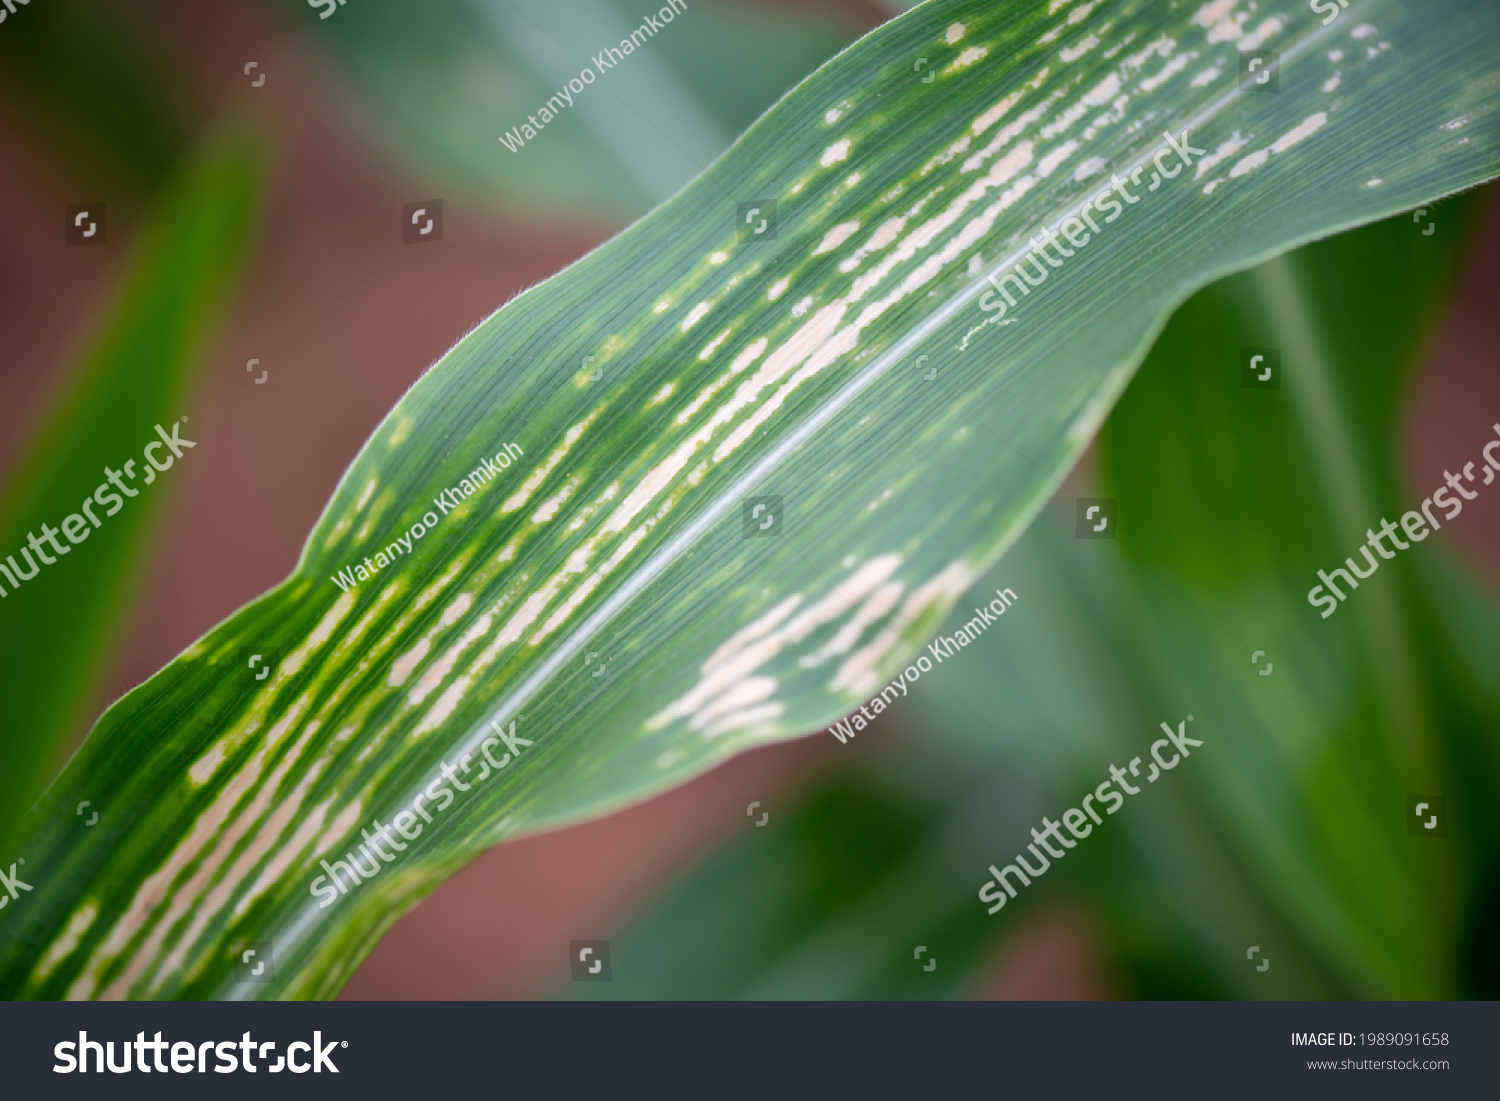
(969, 57)
(288, 853)
(836, 152)
(539, 475)
(548, 508)
(434, 675)
(875, 608)
(836, 237)
(721, 700)
(218, 820)
(320, 634)
(67, 943)
(858, 676)
(711, 347)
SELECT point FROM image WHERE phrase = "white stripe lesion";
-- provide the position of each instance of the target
(518, 499)
(836, 237)
(218, 821)
(971, 56)
(711, 347)
(732, 691)
(66, 943)
(861, 673)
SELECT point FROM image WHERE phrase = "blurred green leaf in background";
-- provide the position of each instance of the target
(443, 88)
(57, 630)
(88, 79)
